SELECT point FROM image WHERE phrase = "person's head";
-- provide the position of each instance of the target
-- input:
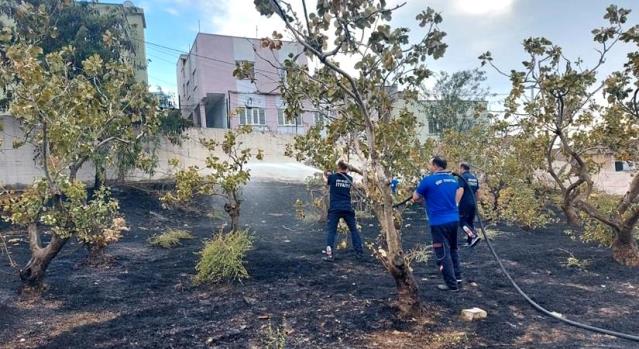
(438, 163)
(464, 167)
(342, 166)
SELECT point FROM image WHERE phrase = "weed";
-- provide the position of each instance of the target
(274, 337)
(492, 234)
(574, 262)
(170, 238)
(419, 254)
(223, 257)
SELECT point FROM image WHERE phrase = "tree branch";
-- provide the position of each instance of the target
(630, 196)
(594, 213)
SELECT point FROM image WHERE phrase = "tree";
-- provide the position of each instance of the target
(456, 102)
(91, 32)
(511, 190)
(563, 112)
(382, 143)
(69, 119)
(227, 176)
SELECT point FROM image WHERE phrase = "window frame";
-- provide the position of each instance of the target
(254, 114)
(282, 121)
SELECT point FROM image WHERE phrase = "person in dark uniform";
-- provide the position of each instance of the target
(441, 191)
(340, 206)
(468, 204)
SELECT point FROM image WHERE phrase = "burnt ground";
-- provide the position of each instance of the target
(145, 298)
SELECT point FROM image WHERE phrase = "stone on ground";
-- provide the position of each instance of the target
(473, 314)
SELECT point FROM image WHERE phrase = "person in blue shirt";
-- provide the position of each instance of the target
(340, 206)
(393, 184)
(468, 204)
(441, 193)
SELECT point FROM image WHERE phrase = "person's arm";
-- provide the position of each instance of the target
(355, 169)
(458, 195)
(420, 193)
(417, 198)
(325, 175)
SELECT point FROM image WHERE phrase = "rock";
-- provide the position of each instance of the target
(557, 314)
(473, 314)
(249, 300)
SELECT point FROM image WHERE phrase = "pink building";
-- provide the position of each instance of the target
(211, 96)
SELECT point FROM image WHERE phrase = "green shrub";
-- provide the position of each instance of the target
(223, 257)
(521, 206)
(595, 231)
(170, 238)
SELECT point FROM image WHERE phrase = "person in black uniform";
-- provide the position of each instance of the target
(468, 204)
(340, 206)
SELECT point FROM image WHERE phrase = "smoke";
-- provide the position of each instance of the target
(285, 171)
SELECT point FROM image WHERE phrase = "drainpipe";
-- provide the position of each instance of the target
(228, 109)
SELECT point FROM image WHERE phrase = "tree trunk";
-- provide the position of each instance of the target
(624, 248)
(233, 210)
(100, 176)
(408, 294)
(33, 273)
(571, 215)
(97, 256)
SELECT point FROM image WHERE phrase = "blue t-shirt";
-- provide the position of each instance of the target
(471, 184)
(393, 184)
(438, 190)
(340, 192)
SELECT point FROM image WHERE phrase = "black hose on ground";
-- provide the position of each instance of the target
(527, 298)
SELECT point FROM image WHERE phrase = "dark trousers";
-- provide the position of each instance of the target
(467, 217)
(446, 255)
(331, 229)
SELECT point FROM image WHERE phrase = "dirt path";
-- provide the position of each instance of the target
(146, 299)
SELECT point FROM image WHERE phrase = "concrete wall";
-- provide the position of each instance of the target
(19, 168)
(608, 179)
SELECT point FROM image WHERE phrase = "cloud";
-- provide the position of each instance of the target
(240, 18)
(172, 11)
(483, 7)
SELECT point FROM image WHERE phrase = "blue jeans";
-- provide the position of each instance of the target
(445, 247)
(331, 229)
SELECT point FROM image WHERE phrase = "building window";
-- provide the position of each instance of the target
(621, 166)
(246, 70)
(283, 121)
(251, 116)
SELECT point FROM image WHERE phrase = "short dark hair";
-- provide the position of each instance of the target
(465, 166)
(439, 162)
(342, 165)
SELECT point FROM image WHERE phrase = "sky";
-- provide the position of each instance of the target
(472, 27)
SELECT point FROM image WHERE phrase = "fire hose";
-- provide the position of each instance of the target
(534, 304)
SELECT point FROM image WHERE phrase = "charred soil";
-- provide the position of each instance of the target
(144, 298)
